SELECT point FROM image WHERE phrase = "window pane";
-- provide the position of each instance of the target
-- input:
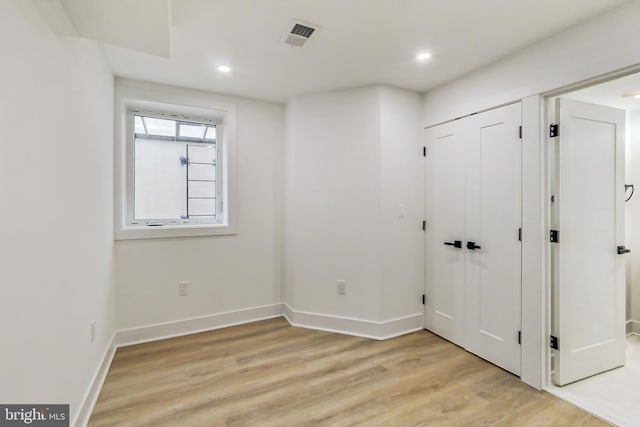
(202, 189)
(160, 180)
(211, 133)
(198, 207)
(202, 154)
(160, 127)
(192, 131)
(202, 172)
(139, 125)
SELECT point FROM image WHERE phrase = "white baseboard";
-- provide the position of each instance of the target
(194, 325)
(287, 312)
(353, 326)
(401, 326)
(633, 327)
(344, 325)
(91, 396)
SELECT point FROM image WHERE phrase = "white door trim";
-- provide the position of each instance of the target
(534, 243)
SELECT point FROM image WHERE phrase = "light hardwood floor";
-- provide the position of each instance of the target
(271, 374)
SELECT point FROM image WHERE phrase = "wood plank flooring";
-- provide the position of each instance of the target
(271, 374)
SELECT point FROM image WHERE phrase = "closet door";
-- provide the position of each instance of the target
(493, 267)
(445, 215)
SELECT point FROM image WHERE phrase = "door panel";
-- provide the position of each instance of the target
(588, 273)
(473, 172)
(493, 275)
(445, 201)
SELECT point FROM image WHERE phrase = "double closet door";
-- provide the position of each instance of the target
(473, 257)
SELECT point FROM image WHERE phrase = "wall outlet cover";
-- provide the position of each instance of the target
(183, 289)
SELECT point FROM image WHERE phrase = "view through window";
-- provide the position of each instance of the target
(175, 170)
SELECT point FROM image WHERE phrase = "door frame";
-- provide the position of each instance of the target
(545, 120)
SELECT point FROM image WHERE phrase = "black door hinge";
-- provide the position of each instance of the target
(553, 343)
(424, 299)
(424, 151)
(554, 130)
(520, 132)
(424, 225)
(519, 337)
(554, 236)
(519, 234)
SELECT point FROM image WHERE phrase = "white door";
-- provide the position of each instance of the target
(493, 222)
(445, 214)
(473, 173)
(588, 271)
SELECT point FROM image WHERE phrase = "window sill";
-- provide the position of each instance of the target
(170, 231)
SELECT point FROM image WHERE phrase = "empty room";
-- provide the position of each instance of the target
(320, 212)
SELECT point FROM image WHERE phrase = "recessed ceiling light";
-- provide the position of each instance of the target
(635, 94)
(423, 56)
(224, 69)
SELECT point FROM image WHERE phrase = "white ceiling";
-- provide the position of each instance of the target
(143, 25)
(360, 42)
(612, 93)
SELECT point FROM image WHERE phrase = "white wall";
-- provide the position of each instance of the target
(401, 183)
(56, 236)
(352, 158)
(633, 220)
(226, 273)
(601, 45)
(332, 212)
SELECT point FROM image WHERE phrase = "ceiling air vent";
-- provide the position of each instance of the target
(299, 34)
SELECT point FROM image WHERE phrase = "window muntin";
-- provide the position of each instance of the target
(175, 176)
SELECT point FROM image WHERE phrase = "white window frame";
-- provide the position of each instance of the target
(147, 98)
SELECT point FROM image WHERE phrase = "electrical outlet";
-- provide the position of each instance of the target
(341, 286)
(183, 289)
(92, 327)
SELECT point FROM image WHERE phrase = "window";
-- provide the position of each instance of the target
(175, 175)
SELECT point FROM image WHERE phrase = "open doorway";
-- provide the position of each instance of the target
(595, 290)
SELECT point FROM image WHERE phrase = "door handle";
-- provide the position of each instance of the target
(623, 250)
(455, 243)
(472, 246)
